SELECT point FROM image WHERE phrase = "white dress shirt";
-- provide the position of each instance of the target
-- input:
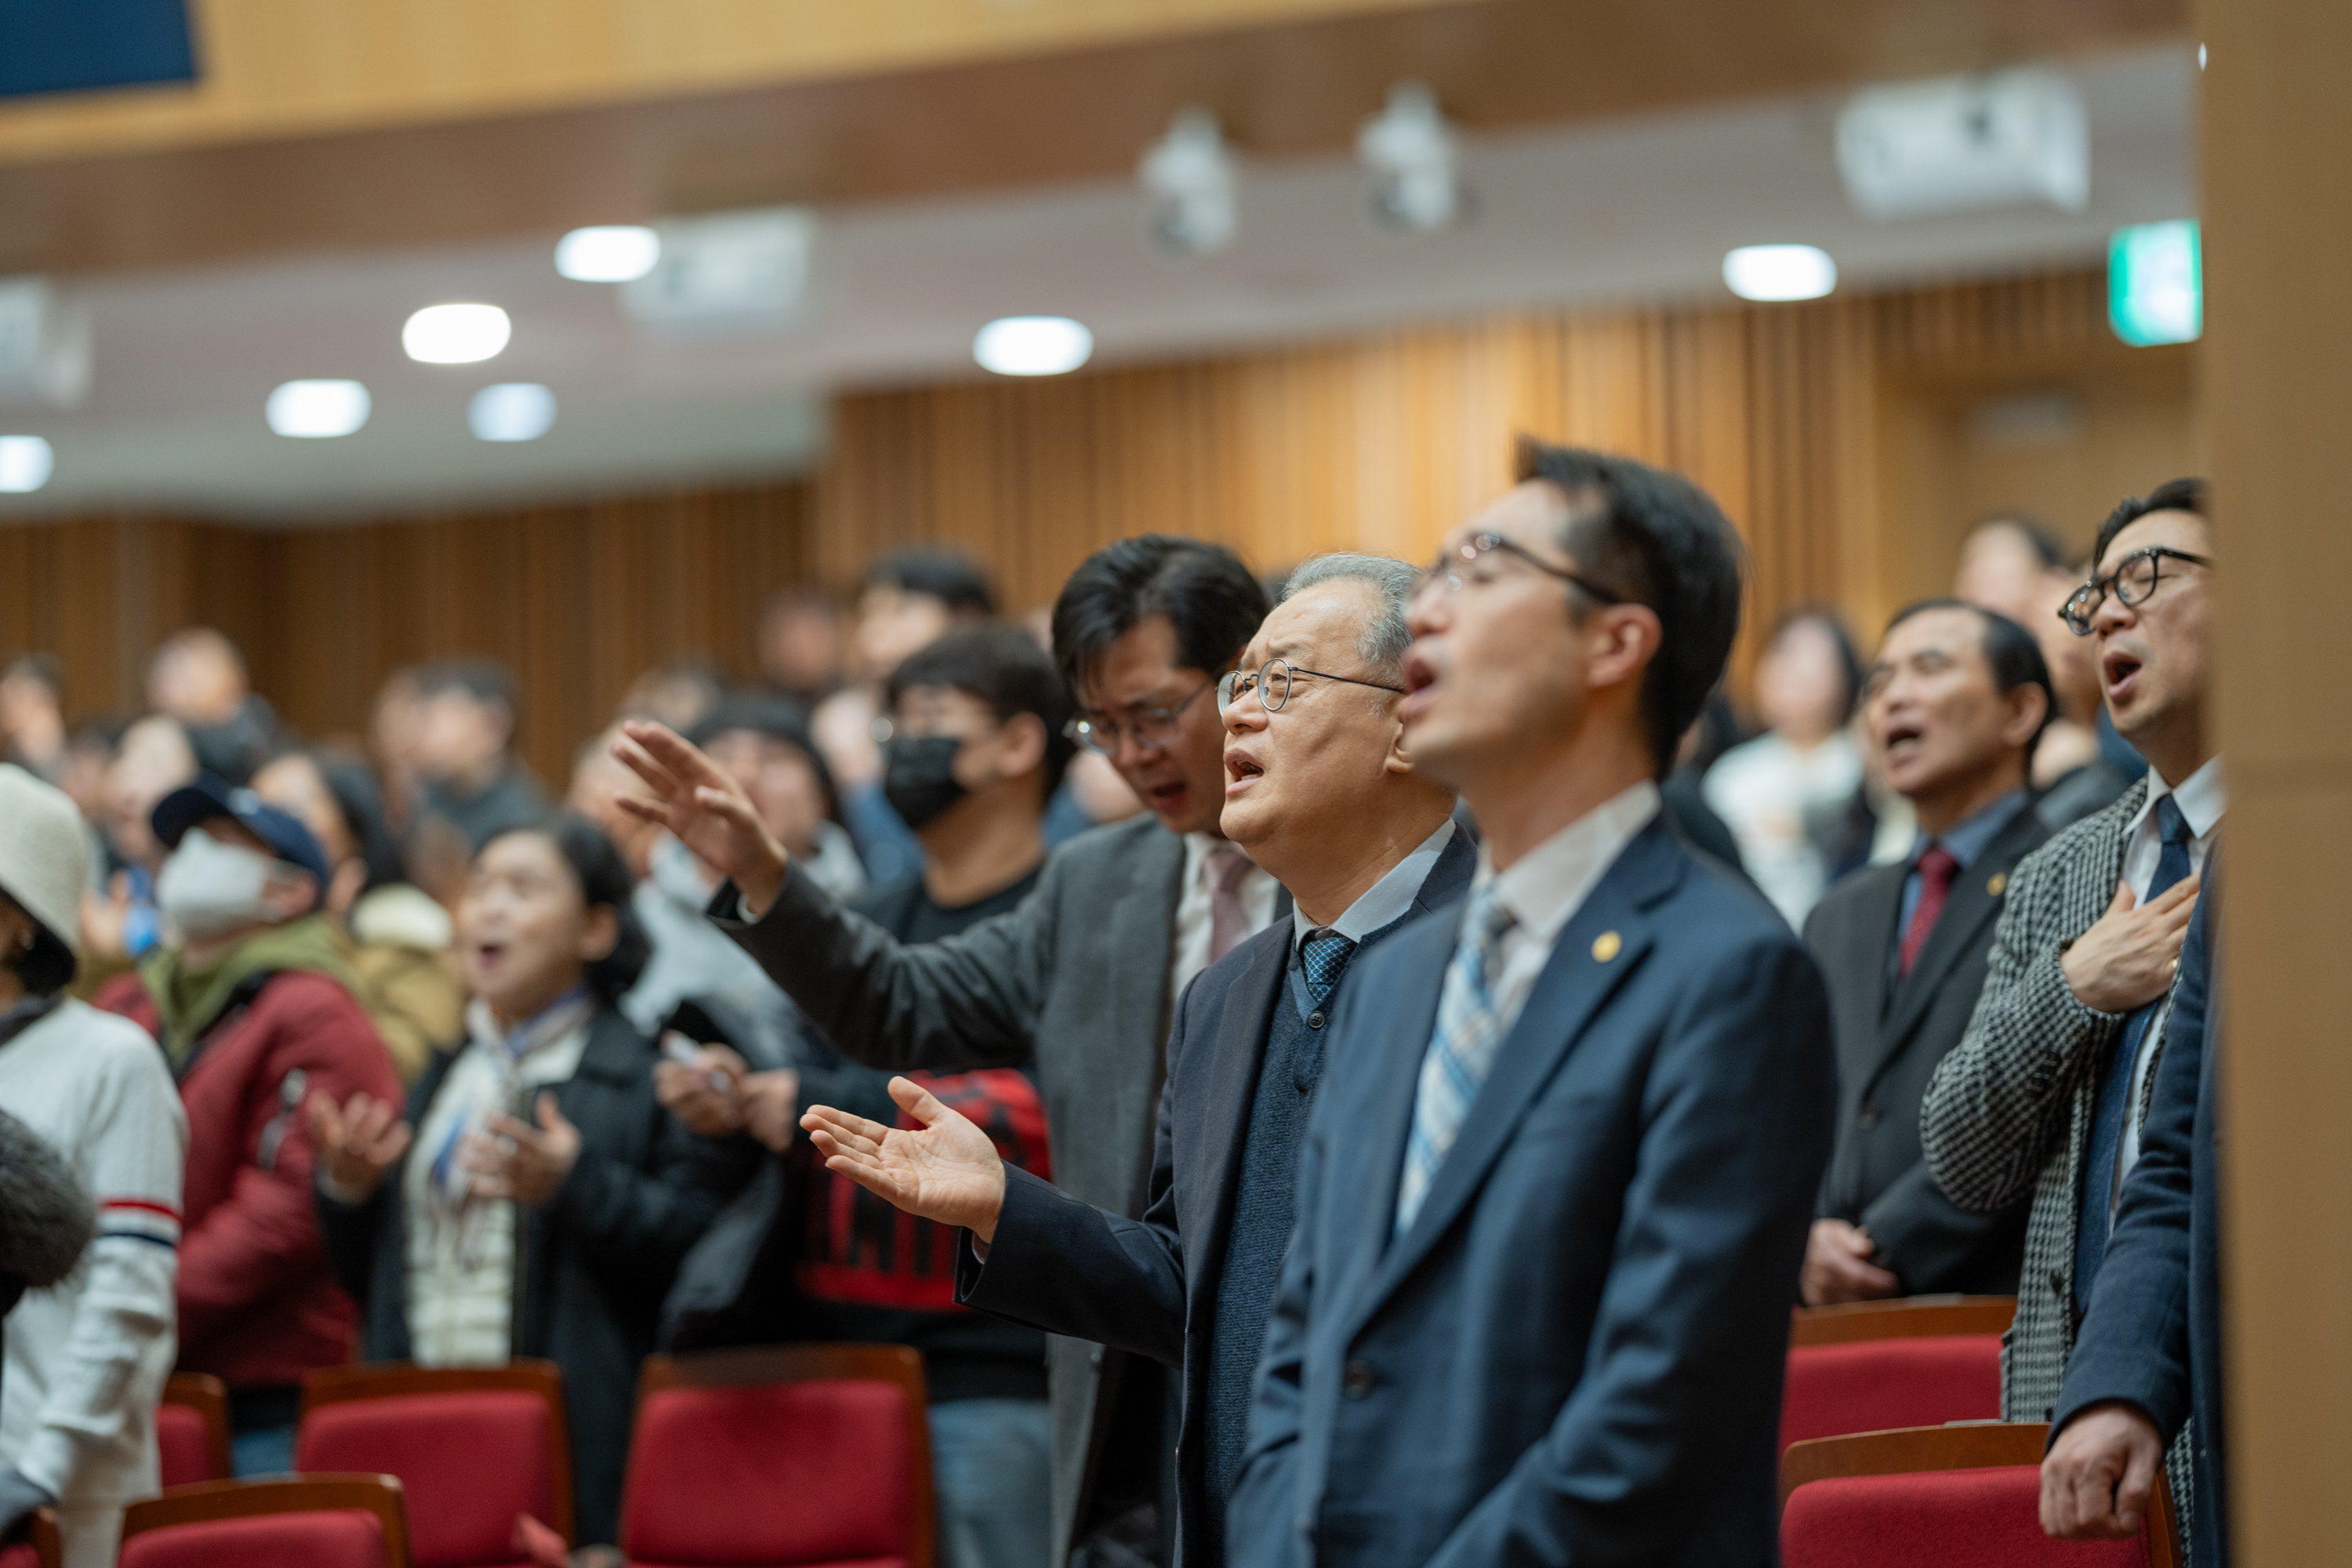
(1193, 930)
(1545, 888)
(1381, 904)
(2201, 799)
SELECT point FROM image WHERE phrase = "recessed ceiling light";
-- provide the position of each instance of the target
(1780, 272)
(616, 254)
(26, 462)
(1033, 345)
(512, 411)
(316, 409)
(456, 334)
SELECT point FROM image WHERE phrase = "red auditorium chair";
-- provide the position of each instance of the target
(792, 1457)
(1940, 1497)
(472, 1446)
(1869, 1366)
(311, 1521)
(38, 1547)
(192, 1429)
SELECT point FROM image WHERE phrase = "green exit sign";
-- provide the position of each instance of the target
(2156, 284)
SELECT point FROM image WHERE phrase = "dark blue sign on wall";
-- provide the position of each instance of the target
(67, 46)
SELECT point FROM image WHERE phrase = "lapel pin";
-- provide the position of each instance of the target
(1606, 945)
(1998, 884)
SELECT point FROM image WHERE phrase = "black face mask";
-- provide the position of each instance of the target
(918, 777)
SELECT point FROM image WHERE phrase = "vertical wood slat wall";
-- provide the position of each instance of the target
(1381, 444)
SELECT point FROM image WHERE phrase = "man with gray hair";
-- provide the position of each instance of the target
(1320, 794)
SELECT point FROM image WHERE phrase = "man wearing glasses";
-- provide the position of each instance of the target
(2046, 1091)
(1083, 976)
(1321, 792)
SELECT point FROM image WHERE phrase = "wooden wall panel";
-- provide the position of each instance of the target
(1379, 444)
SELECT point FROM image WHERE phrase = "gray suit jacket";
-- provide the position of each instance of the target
(1078, 977)
(2009, 1110)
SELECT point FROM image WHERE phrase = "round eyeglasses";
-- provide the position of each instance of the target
(1272, 681)
(2132, 580)
(1151, 728)
(1449, 567)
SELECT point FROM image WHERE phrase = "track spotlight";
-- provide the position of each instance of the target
(1189, 175)
(1411, 151)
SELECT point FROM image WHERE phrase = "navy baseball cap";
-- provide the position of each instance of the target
(194, 805)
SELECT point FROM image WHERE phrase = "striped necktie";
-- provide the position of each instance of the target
(1461, 1051)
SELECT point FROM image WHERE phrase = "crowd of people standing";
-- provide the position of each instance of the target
(1355, 1071)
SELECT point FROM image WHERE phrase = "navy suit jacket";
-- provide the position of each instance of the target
(2153, 1333)
(1574, 1353)
(1150, 1286)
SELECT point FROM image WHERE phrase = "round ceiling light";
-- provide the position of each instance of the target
(26, 462)
(1033, 345)
(616, 254)
(456, 334)
(318, 409)
(512, 411)
(1780, 272)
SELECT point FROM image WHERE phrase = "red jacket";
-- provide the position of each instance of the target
(258, 1306)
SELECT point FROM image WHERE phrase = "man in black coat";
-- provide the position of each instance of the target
(1955, 702)
(2148, 1360)
(1322, 795)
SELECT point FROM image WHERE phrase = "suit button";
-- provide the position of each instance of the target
(1314, 1020)
(1870, 1116)
(1356, 1380)
(2057, 1284)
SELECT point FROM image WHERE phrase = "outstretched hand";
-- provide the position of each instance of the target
(358, 1142)
(515, 1160)
(948, 1169)
(706, 809)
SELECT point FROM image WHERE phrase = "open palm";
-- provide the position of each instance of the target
(705, 808)
(948, 1169)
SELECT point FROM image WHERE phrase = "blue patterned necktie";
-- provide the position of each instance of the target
(1461, 1051)
(1322, 958)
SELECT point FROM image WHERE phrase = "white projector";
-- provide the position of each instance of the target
(726, 269)
(44, 349)
(1962, 143)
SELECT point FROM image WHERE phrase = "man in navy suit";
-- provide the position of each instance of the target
(1320, 794)
(1551, 1206)
(2148, 1360)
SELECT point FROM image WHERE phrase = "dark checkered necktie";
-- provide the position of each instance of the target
(1323, 957)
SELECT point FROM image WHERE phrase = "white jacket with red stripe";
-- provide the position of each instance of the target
(86, 1358)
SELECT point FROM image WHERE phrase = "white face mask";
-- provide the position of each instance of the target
(207, 888)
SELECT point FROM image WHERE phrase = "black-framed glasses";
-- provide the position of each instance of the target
(1448, 568)
(1273, 682)
(2132, 580)
(1150, 728)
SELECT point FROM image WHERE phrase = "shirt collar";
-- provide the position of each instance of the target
(1381, 904)
(1969, 839)
(1548, 883)
(2201, 796)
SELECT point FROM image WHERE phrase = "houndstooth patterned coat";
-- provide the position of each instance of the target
(2010, 1107)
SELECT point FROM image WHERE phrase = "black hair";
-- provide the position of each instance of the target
(1004, 667)
(46, 669)
(1849, 657)
(779, 718)
(950, 576)
(2173, 495)
(1660, 540)
(2010, 653)
(483, 679)
(48, 966)
(1207, 595)
(605, 878)
(2037, 534)
(360, 803)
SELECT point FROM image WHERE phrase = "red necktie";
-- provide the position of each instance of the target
(1937, 867)
(1228, 919)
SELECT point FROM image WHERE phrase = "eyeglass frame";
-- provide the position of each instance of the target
(2098, 588)
(1482, 543)
(1233, 677)
(1088, 733)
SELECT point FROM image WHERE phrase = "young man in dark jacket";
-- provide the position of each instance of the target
(256, 1010)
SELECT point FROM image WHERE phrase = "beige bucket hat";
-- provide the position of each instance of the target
(44, 856)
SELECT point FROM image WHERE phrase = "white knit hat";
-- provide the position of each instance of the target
(44, 857)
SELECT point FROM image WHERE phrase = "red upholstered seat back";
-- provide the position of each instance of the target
(1877, 1385)
(20, 1555)
(770, 1475)
(468, 1461)
(337, 1538)
(184, 1443)
(1933, 1519)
